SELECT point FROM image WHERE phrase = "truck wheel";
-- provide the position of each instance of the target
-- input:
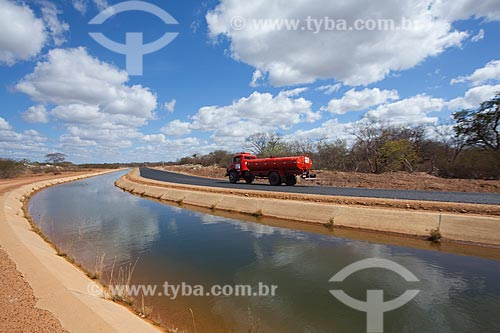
(290, 180)
(274, 179)
(233, 177)
(249, 179)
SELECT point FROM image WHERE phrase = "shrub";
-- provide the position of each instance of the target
(11, 168)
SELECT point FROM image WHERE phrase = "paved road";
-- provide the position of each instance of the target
(482, 198)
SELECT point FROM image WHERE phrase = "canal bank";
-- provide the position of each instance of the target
(58, 286)
(181, 245)
(420, 219)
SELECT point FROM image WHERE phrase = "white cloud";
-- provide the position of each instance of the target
(78, 114)
(413, 110)
(169, 149)
(170, 106)
(352, 57)
(4, 125)
(330, 89)
(101, 4)
(464, 9)
(478, 37)
(257, 76)
(490, 72)
(56, 28)
(82, 5)
(73, 77)
(36, 114)
(293, 92)
(20, 145)
(176, 128)
(259, 112)
(329, 130)
(155, 138)
(22, 34)
(474, 97)
(90, 98)
(354, 100)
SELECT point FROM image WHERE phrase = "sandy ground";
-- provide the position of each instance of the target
(18, 311)
(397, 180)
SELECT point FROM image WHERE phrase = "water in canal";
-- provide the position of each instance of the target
(92, 217)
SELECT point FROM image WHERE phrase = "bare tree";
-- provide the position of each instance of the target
(267, 144)
(453, 142)
(55, 158)
(302, 147)
(367, 133)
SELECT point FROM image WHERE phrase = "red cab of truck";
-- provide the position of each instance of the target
(277, 169)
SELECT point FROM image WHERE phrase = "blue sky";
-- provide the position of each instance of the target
(216, 84)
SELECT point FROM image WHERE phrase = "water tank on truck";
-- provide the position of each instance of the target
(278, 170)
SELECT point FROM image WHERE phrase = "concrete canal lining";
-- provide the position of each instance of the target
(59, 287)
(468, 228)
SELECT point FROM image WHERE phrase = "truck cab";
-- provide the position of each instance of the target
(239, 168)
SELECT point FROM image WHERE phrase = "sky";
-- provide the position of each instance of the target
(306, 69)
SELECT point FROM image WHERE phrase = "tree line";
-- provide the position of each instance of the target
(469, 147)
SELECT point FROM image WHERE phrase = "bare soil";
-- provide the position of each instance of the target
(18, 311)
(398, 180)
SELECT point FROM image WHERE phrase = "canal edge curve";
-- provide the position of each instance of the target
(59, 287)
(451, 227)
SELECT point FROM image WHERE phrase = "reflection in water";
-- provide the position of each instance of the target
(91, 217)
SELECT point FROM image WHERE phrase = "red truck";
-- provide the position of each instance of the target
(277, 169)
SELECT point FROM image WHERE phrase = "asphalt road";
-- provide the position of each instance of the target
(481, 198)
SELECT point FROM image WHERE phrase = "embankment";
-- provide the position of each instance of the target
(60, 288)
(379, 215)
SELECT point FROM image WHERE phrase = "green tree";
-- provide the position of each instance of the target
(397, 155)
(480, 127)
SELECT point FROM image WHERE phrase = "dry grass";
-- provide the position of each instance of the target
(98, 267)
(145, 310)
(123, 278)
(194, 322)
(253, 323)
